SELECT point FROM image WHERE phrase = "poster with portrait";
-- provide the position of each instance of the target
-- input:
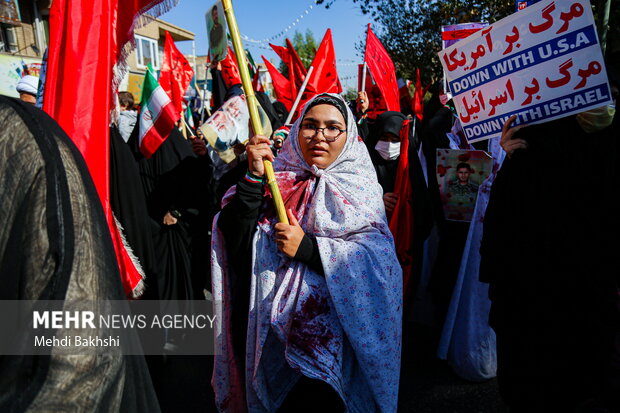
(13, 68)
(216, 30)
(459, 174)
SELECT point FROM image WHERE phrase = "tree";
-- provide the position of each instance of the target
(350, 94)
(410, 29)
(306, 49)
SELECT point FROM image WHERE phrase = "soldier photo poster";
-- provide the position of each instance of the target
(459, 175)
(216, 28)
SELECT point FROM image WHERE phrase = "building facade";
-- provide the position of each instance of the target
(150, 40)
(24, 30)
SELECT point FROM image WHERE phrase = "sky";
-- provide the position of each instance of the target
(259, 20)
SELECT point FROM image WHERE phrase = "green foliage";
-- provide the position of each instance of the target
(305, 45)
(410, 30)
(350, 94)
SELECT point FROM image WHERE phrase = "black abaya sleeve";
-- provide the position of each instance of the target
(363, 130)
(308, 253)
(238, 224)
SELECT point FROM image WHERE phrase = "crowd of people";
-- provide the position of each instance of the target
(312, 312)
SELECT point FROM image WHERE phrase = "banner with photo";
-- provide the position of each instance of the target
(460, 174)
(229, 126)
(542, 63)
(217, 29)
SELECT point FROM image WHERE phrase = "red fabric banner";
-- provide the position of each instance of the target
(296, 66)
(418, 96)
(285, 55)
(401, 222)
(230, 69)
(376, 103)
(257, 85)
(87, 40)
(324, 77)
(418, 102)
(382, 70)
(282, 52)
(176, 73)
(281, 85)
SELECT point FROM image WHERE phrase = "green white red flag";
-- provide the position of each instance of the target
(157, 115)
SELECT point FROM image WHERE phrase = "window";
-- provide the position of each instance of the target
(147, 52)
(8, 39)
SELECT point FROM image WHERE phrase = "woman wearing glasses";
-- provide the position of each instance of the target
(309, 314)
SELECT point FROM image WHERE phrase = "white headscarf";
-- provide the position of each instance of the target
(343, 328)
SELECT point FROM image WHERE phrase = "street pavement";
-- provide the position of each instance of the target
(428, 384)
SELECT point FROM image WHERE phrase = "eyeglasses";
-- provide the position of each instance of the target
(330, 133)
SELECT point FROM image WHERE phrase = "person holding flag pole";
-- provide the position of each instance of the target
(308, 314)
(252, 104)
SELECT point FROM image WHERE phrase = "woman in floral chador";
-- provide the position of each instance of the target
(309, 314)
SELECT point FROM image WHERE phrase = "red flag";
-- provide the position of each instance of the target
(296, 66)
(418, 97)
(176, 73)
(382, 70)
(324, 77)
(230, 69)
(376, 103)
(257, 85)
(79, 90)
(281, 85)
(401, 222)
(284, 54)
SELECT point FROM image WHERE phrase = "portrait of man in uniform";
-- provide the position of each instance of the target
(460, 174)
(216, 27)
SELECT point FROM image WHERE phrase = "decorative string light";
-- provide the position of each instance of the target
(339, 62)
(284, 31)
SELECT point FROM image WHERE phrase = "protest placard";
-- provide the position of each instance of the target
(542, 63)
(228, 126)
(520, 5)
(452, 33)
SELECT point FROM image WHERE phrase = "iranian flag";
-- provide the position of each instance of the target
(157, 115)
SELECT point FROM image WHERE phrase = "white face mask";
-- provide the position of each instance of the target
(388, 150)
(597, 119)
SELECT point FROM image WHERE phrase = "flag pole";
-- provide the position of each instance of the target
(252, 105)
(204, 98)
(187, 128)
(298, 98)
(183, 130)
(364, 69)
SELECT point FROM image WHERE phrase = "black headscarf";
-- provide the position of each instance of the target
(281, 111)
(326, 99)
(387, 122)
(270, 110)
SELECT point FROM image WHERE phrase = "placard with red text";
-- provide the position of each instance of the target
(542, 63)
